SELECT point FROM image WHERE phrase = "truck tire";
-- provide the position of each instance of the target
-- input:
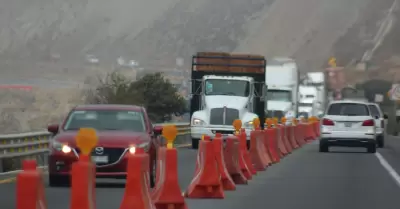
(195, 143)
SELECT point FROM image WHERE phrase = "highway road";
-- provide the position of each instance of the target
(347, 178)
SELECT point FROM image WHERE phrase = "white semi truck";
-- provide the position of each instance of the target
(307, 101)
(225, 87)
(282, 78)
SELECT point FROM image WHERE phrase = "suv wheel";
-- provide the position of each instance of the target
(323, 147)
(371, 148)
(380, 141)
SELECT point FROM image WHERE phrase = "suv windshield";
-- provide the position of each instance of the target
(348, 109)
(279, 95)
(227, 87)
(106, 120)
(374, 111)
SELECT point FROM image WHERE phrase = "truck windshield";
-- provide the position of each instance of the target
(227, 87)
(106, 120)
(279, 95)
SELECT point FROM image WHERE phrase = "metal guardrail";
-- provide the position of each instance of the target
(34, 145)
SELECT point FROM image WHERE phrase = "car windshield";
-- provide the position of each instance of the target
(227, 87)
(374, 111)
(279, 95)
(106, 120)
(348, 109)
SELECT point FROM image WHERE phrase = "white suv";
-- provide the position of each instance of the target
(348, 124)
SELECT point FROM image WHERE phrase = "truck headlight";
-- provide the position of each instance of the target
(61, 147)
(248, 125)
(198, 122)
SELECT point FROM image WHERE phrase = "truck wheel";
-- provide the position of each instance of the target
(195, 143)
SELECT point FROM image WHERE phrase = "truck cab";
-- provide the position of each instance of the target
(222, 93)
(282, 78)
(307, 101)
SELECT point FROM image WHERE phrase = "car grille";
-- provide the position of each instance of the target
(217, 116)
(275, 113)
(114, 154)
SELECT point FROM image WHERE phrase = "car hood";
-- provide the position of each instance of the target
(107, 138)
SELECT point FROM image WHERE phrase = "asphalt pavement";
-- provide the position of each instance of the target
(345, 178)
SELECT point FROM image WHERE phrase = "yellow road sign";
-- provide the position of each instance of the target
(332, 62)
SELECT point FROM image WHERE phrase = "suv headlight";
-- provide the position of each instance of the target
(198, 122)
(61, 147)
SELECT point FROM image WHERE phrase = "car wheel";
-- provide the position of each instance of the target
(195, 143)
(153, 174)
(58, 181)
(323, 147)
(371, 148)
(380, 141)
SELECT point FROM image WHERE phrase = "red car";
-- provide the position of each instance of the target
(121, 130)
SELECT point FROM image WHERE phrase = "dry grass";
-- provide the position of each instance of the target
(31, 111)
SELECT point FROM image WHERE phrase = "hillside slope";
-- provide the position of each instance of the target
(155, 33)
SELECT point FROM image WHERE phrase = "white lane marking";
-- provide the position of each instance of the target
(388, 168)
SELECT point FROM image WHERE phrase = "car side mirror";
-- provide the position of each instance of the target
(157, 130)
(385, 116)
(376, 117)
(53, 128)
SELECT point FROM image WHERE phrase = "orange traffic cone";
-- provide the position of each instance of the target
(231, 156)
(30, 188)
(256, 155)
(273, 145)
(206, 182)
(83, 183)
(244, 159)
(167, 193)
(226, 179)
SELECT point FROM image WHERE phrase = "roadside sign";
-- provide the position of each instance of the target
(332, 62)
(394, 92)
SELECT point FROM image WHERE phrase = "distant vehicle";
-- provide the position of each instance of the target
(348, 123)
(121, 130)
(282, 79)
(92, 59)
(225, 87)
(307, 101)
(380, 123)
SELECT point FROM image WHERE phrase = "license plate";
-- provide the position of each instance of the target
(100, 159)
(348, 124)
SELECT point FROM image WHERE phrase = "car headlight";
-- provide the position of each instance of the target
(145, 146)
(62, 147)
(132, 150)
(198, 122)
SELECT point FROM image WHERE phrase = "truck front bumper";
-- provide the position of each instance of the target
(197, 132)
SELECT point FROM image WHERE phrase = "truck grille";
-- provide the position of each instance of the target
(113, 154)
(217, 116)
